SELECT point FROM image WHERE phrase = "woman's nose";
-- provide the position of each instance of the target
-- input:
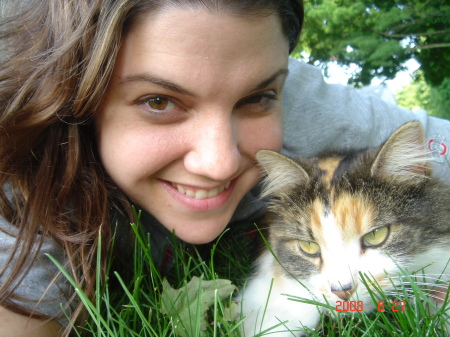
(214, 152)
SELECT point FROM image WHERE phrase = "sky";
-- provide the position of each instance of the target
(340, 75)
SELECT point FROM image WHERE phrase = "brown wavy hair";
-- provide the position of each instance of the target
(55, 66)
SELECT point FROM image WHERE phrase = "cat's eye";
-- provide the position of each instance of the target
(309, 247)
(376, 237)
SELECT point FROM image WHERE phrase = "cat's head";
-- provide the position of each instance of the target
(335, 216)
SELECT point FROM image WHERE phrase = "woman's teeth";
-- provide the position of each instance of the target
(201, 194)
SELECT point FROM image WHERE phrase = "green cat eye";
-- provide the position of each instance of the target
(309, 247)
(376, 237)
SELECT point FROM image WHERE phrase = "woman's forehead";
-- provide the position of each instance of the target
(187, 23)
(197, 46)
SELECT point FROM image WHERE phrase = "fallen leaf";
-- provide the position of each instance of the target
(187, 306)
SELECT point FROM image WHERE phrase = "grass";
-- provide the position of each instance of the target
(147, 303)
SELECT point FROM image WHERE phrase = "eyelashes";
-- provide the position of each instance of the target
(258, 103)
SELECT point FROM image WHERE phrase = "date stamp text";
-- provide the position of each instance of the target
(359, 306)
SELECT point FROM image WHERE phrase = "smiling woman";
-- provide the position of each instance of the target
(206, 103)
(109, 104)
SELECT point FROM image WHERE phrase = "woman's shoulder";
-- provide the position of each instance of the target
(41, 288)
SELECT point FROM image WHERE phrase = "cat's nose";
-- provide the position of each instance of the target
(344, 292)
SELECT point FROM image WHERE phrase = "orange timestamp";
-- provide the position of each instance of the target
(359, 306)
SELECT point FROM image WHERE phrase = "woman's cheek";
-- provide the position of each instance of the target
(265, 134)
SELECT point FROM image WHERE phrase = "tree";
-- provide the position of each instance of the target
(379, 36)
(420, 95)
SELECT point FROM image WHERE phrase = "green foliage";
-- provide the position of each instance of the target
(420, 95)
(379, 36)
(194, 300)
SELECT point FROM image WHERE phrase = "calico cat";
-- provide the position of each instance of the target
(337, 217)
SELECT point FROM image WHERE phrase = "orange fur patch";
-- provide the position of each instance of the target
(354, 215)
(329, 165)
(317, 210)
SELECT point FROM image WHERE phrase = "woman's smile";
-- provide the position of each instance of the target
(198, 192)
(200, 199)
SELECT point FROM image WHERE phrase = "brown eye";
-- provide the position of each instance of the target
(376, 237)
(159, 103)
(309, 247)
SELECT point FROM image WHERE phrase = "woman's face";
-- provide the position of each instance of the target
(193, 96)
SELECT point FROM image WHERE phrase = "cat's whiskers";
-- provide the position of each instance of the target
(417, 275)
(403, 285)
(432, 284)
(424, 278)
(410, 293)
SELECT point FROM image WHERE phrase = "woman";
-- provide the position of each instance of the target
(161, 104)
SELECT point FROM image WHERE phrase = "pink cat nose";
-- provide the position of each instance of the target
(344, 292)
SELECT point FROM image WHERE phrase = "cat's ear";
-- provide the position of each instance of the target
(403, 157)
(282, 173)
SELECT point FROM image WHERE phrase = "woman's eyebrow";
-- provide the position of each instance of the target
(265, 83)
(179, 89)
(158, 81)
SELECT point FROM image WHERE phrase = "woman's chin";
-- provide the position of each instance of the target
(198, 234)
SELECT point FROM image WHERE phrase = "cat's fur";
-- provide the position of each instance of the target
(334, 201)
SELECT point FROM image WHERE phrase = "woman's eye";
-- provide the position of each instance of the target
(376, 237)
(309, 247)
(255, 99)
(258, 103)
(159, 103)
(161, 109)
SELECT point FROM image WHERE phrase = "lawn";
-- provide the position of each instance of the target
(195, 298)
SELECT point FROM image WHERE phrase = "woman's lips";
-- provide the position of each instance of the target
(198, 199)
